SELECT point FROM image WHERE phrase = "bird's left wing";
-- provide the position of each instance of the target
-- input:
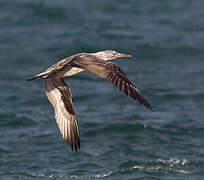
(59, 95)
(111, 72)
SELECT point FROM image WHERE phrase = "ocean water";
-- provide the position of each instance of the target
(120, 139)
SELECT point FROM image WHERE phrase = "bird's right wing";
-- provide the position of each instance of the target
(59, 95)
(111, 71)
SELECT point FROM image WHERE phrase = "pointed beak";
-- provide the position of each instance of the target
(124, 56)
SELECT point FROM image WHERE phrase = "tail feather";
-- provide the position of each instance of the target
(42, 75)
(32, 78)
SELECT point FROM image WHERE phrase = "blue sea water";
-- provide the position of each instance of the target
(120, 139)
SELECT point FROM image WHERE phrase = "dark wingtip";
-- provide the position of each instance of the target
(75, 148)
(149, 107)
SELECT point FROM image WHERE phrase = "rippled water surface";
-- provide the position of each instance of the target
(120, 139)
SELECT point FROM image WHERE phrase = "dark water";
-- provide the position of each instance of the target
(120, 139)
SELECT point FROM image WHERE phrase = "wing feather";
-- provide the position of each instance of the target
(59, 95)
(111, 71)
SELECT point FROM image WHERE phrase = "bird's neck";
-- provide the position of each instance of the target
(101, 56)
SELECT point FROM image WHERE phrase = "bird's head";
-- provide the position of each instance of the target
(110, 55)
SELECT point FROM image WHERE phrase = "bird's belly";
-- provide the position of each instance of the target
(73, 71)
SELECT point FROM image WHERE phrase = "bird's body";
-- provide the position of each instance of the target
(59, 94)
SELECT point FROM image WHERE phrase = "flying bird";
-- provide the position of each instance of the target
(59, 93)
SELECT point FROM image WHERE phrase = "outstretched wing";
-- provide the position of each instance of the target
(59, 95)
(111, 72)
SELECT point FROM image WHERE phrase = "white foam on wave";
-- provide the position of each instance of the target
(53, 176)
(103, 175)
(166, 165)
(173, 161)
(173, 165)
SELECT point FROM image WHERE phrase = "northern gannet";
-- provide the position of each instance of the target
(59, 94)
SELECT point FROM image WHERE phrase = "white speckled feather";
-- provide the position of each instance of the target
(56, 90)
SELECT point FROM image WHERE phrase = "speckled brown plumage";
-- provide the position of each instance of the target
(59, 94)
(111, 72)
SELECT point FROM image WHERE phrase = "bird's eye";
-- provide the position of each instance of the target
(114, 53)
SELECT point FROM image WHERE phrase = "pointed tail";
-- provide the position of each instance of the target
(42, 75)
(33, 78)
